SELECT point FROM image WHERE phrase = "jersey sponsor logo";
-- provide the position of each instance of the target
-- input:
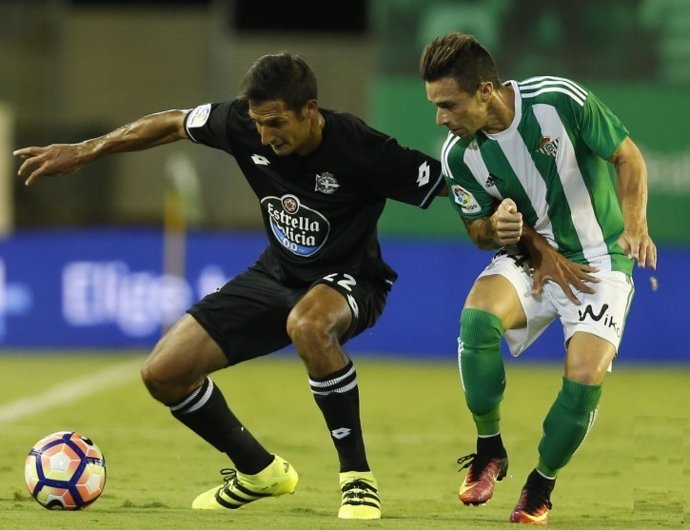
(296, 227)
(466, 201)
(423, 175)
(596, 317)
(199, 116)
(326, 183)
(290, 203)
(260, 160)
(548, 147)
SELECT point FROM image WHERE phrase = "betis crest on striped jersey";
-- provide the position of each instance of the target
(547, 146)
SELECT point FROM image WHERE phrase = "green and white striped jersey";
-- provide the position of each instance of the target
(552, 161)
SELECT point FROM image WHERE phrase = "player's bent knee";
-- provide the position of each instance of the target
(154, 383)
(587, 375)
(167, 383)
(479, 329)
(308, 331)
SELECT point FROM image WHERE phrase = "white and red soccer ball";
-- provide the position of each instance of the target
(65, 471)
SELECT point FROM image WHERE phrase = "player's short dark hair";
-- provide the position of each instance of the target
(461, 57)
(282, 76)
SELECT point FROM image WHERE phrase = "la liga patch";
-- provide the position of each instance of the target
(199, 116)
(464, 199)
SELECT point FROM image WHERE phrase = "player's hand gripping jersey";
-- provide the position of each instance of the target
(320, 210)
(552, 161)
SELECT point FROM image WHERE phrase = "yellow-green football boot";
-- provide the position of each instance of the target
(238, 489)
(360, 496)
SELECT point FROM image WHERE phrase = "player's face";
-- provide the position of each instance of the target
(461, 112)
(286, 131)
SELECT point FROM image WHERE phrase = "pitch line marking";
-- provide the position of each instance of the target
(70, 391)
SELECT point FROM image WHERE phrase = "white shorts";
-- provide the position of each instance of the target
(602, 314)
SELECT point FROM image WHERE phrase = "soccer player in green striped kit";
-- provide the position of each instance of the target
(536, 151)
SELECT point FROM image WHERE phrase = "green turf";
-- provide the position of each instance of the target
(632, 472)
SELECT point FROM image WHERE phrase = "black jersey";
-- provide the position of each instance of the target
(320, 210)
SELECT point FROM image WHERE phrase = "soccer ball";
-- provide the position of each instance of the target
(65, 471)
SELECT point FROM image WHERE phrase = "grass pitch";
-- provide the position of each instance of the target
(632, 471)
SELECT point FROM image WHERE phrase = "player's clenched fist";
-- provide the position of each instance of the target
(507, 223)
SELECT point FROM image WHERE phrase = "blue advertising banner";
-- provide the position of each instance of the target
(106, 287)
(109, 288)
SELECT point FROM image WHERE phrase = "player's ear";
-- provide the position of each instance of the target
(311, 108)
(486, 89)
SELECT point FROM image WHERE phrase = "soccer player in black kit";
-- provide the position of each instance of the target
(322, 179)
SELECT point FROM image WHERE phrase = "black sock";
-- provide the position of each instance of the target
(337, 395)
(206, 413)
(491, 445)
(540, 487)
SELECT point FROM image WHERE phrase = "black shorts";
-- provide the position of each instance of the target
(247, 317)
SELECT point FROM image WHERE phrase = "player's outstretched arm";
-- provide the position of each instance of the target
(632, 191)
(63, 159)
